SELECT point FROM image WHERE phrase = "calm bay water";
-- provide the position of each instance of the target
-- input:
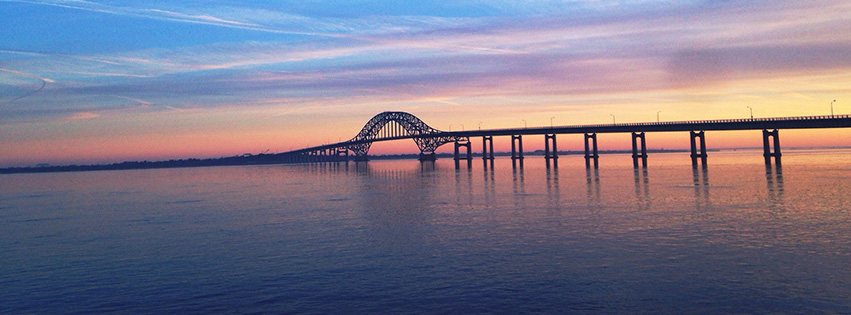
(399, 236)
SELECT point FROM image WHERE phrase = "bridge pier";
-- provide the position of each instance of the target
(343, 155)
(361, 158)
(468, 157)
(548, 139)
(550, 155)
(766, 146)
(517, 147)
(635, 154)
(427, 157)
(591, 154)
(516, 150)
(694, 152)
(487, 147)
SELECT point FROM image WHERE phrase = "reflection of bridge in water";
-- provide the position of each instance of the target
(388, 126)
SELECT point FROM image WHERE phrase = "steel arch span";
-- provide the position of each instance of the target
(398, 125)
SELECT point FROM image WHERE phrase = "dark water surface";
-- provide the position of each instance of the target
(397, 236)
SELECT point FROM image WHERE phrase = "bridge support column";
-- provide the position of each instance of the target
(516, 150)
(361, 158)
(517, 147)
(343, 155)
(766, 146)
(466, 144)
(591, 154)
(694, 152)
(635, 154)
(427, 157)
(468, 157)
(550, 154)
(550, 139)
(487, 147)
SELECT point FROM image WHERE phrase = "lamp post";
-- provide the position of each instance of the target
(613, 118)
(551, 122)
(480, 125)
(751, 111)
(657, 116)
(831, 108)
(524, 124)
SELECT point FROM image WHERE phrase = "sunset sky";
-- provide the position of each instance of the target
(108, 81)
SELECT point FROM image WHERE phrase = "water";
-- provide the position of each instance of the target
(396, 236)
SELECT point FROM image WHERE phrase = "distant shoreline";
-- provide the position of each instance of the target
(265, 159)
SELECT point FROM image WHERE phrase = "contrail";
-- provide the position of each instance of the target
(43, 83)
(29, 75)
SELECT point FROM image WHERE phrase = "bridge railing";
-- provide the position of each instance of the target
(683, 122)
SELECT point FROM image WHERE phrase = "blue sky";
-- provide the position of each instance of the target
(95, 81)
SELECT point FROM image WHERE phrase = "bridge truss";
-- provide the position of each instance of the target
(398, 125)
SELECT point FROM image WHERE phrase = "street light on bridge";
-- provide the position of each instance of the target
(751, 111)
(524, 124)
(480, 125)
(657, 116)
(551, 122)
(613, 118)
(831, 108)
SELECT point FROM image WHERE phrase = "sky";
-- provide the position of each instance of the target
(109, 81)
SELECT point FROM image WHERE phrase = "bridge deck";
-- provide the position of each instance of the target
(803, 122)
(800, 122)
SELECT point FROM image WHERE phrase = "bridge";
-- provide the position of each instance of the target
(388, 126)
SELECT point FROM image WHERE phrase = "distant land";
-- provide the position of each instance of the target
(275, 158)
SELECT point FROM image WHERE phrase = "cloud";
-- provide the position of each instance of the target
(81, 116)
(29, 75)
(108, 74)
(574, 49)
(220, 16)
(695, 67)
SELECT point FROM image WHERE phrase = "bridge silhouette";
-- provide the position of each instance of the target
(389, 126)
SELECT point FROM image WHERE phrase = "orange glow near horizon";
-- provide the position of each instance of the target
(147, 142)
(230, 93)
